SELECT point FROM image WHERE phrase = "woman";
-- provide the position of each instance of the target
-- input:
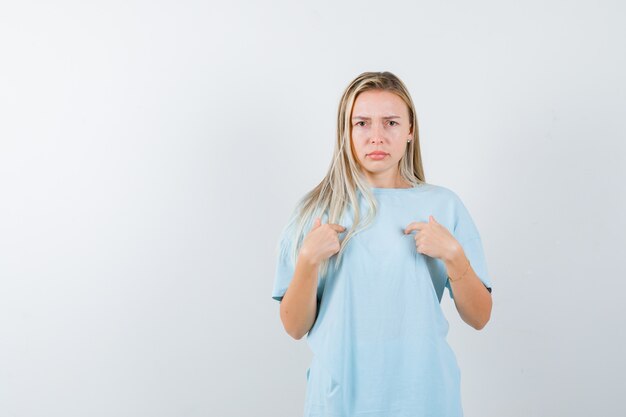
(367, 292)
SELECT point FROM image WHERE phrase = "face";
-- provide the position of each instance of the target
(380, 123)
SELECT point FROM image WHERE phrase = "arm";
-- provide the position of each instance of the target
(298, 307)
(471, 297)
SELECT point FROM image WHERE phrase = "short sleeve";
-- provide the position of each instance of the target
(285, 263)
(285, 268)
(466, 233)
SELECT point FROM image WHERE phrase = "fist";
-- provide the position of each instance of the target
(321, 242)
(433, 239)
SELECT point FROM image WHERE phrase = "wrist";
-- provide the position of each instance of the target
(307, 259)
(454, 256)
(457, 264)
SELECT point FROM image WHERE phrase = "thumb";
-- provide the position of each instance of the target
(432, 219)
(317, 223)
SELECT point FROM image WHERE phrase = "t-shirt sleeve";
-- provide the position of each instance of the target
(467, 235)
(285, 267)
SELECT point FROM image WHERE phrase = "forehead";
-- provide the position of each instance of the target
(379, 103)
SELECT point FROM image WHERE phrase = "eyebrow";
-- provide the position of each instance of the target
(368, 118)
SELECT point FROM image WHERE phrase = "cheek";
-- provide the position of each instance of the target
(357, 136)
(356, 147)
(358, 142)
(401, 145)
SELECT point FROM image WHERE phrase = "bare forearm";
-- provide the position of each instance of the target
(471, 297)
(299, 304)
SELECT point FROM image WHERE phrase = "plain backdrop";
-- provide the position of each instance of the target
(151, 152)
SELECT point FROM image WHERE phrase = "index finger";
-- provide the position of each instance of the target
(337, 227)
(415, 226)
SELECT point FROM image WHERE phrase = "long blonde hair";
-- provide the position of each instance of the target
(339, 187)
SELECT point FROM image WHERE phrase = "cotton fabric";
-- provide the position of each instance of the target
(379, 340)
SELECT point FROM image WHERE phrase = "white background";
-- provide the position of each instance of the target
(150, 153)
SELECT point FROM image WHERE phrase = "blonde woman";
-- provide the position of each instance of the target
(363, 262)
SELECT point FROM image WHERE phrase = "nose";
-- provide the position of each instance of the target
(377, 134)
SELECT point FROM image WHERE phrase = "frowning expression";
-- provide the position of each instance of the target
(380, 129)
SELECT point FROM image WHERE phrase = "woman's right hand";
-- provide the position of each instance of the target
(321, 242)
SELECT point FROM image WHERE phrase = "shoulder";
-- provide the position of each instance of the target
(448, 200)
(442, 192)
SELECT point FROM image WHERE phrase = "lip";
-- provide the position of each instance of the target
(380, 153)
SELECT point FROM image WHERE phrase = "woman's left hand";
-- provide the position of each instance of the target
(433, 239)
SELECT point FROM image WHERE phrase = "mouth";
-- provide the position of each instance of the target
(377, 155)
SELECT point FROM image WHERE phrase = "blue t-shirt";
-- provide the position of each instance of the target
(379, 340)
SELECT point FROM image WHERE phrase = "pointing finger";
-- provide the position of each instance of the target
(337, 227)
(414, 226)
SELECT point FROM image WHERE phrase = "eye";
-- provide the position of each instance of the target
(357, 123)
(392, 121)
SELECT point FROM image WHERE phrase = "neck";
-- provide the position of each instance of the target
(396, 182)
